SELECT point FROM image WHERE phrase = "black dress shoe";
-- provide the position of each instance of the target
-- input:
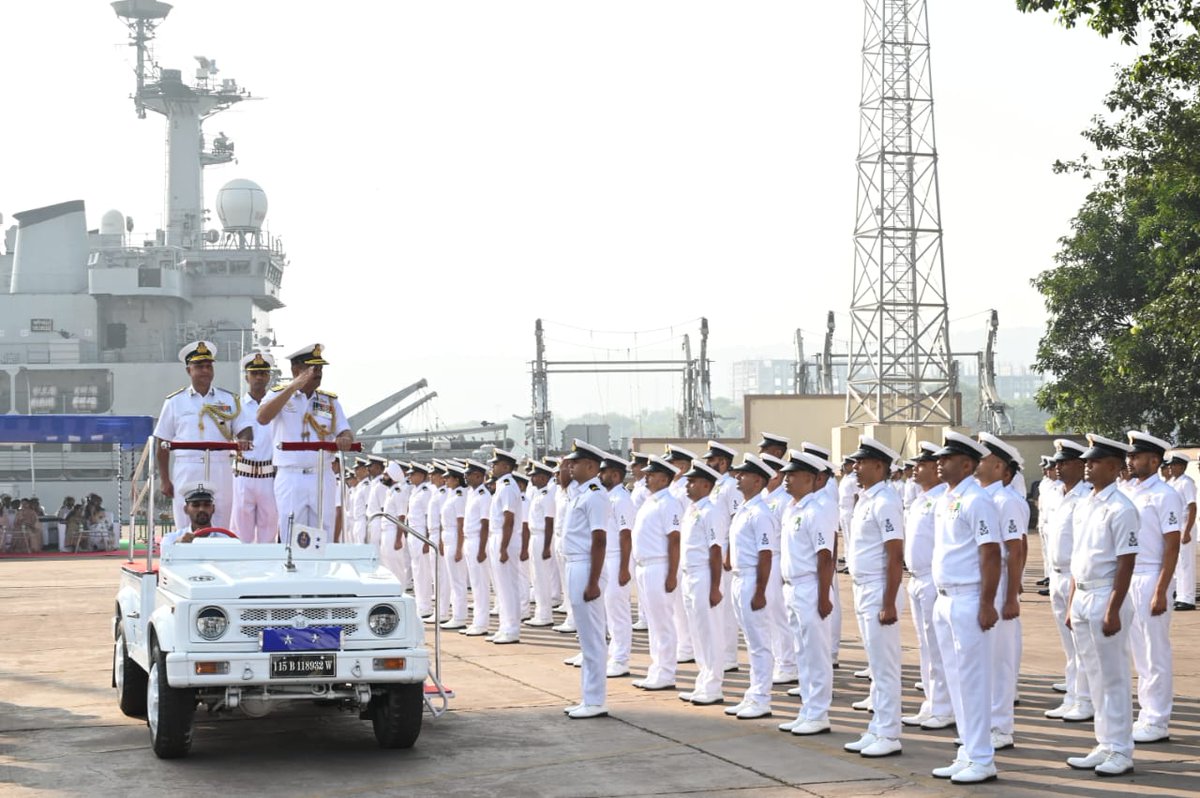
(1182, 607)
(1043, 591)
(1043, 582)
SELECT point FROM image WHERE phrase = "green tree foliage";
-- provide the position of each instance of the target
(1124, 299)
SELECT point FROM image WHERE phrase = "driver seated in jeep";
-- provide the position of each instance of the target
(198, 504)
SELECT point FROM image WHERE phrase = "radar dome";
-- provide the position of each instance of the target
(242, 206)
(112, 223)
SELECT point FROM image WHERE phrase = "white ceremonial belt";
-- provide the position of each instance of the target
(650, 560)
(924, 576)
(296, 469)
(1147, 569)
(578, 558)
(800, 580)
(867, 580)
(1093, 584)
(958, 590)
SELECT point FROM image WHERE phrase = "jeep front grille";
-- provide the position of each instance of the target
(254, 619)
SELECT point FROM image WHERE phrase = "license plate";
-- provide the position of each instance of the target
(303, 666)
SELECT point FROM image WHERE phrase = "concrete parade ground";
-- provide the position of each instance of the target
(61, 732)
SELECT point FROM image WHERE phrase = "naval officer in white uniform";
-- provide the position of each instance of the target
(199, 412)
(301, 411)
(255, 519)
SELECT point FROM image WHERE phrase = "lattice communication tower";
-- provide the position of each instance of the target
(900, 361)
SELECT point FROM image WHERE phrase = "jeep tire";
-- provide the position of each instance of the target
(128, 678)
(169, 711)
(396, 712)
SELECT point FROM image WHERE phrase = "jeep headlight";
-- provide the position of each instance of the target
(211, 622)
(383, 619)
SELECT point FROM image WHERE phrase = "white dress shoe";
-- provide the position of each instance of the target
(1093, 760)
(475, 632)
(863, 706)
(752, 711)
(452, 624)
(560, 607)
(812, 726)
(1001, 741)
(1080, 713)
(785, 678)
(736, 708)
(536, 624)
(883, 746)
(505, 640)
(1115, 765)
(1058, 711)
(655, 686)
(707, 700)
(919, 687)
(576, 661)
(960, 763)
(615, 671)
(917, 719)
(588, 711)
(862, 742)
(640, 626)
(686, 696)
(565, 628)
(1059, 687)
(796, 691)
(571, 709)
(937, 722)
(733, 668)
(791, 724)
(1149, 733)
(865, 673)
(974, 773)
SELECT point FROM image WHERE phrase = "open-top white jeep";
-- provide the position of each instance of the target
(230, 626)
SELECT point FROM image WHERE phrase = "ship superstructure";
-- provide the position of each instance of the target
(93, 320)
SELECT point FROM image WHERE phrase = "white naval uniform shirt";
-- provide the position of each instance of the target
(182, 418)
(639, 493)
(418, 506)
(1106, 527)
(562, 503)
(394, 505)
(965, 518)
(475, 512)
(847, 495)
(1060, 528)
(1050, 493)
(1160, 511)
(623, 516)
(678, 489)
(358, 500)
(911, 491)
(726, 499)
(262, 449)
(376, 497)
(776, 500)
(171, 538)
(404, 488)
(587, 511)
(806, 530)
(1186, 487)
(699, 533)
(433, 514)
(541, 507)
(658, 517)
(918, 531)
(1008, 515)
(877, 518)
(755, 528)
(453, 507)
(506, 499)
(295, 423)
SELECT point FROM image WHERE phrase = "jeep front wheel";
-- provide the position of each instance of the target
(128, 678)
(169, 711)
(396, 712)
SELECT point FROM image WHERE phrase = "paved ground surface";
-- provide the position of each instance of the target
(62, 734)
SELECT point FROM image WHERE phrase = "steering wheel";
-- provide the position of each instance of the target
(214, 530)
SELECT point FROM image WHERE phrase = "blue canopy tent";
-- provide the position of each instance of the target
(124, 432)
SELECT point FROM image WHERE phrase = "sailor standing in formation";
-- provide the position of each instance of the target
(656, 552)
(703, 535)
(618, 565)
(504, 546)
(199, 412)
(1185, 571)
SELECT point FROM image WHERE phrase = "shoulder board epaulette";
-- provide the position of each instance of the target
(424, 486)
(545, 491)
(593, 487)
(481, 489)
(176, 393)
(278, 387)
(330, 394)
(458, 491)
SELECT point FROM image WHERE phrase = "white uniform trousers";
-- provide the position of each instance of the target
(835, 617)
(967, 656)
(658, 609)
(589, 618)
(560, 559)
(421, 562)
(1074, 676)
(706, 624)
(728, 622)
(457, 580)
(441, 584)
(683, 634)
(922, 595)
(1106, 661)
(1046, 569)
(479, 576)
(374, 531)
(394, 561)
(757, 626)
(618, 612)
(296, 496)
(813, 636)
(254, 517)
(506, 582)
(1150, 640)
(524, 586)
(1185, 570)
(1006, 663)
(783, 640)
(543, 580)
(220, 476)
(882, 644)
(358, 530)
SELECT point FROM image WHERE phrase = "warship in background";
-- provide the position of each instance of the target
(93, 321)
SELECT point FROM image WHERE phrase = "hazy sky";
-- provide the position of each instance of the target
(444, 173)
